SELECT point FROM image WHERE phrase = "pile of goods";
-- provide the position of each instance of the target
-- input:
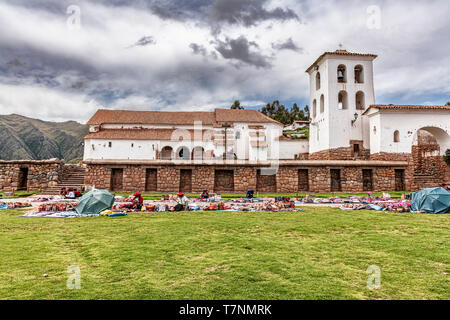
(57, 207)
(169, 203)
(14, 205)
(391, 205)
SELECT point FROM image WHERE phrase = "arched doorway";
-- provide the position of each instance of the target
(428, 147)
(198, 153)
(166, 153)
(183, 153)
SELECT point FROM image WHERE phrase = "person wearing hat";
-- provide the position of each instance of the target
(182, 202)
(138, 201)
(204, 195)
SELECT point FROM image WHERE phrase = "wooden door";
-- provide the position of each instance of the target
(266, 183)
(224, 181)
(367, 180)
(23, 179)
(303, 180)
(116, 179)
(399, 180)
(186, 180)
(151, 180)
(335, 180)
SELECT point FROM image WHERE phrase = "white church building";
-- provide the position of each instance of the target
(354, 144)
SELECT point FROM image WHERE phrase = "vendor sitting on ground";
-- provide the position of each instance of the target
(182, 202)
(70, 193)
(138, 201)
(63, 192)
(204, 195)
(77, 193)
(250, 193)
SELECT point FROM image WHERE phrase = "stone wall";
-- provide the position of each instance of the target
(38, 175)
(341, 154)
(286, 179)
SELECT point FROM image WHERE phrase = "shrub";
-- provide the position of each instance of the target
(447, 157)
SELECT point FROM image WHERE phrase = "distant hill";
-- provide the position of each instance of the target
(26, 138)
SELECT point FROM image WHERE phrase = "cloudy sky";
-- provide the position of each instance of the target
(62, 60)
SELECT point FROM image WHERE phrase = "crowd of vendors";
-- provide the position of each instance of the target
(101, 202)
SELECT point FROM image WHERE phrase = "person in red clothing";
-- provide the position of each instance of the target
(138, 201)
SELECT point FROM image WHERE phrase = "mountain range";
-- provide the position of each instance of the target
(27, 138)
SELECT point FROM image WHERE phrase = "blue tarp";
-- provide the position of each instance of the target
(431, 200)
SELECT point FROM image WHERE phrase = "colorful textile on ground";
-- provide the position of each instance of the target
(14, 205)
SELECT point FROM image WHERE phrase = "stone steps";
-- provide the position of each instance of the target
(73, 179)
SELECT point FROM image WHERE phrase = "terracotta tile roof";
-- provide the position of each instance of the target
(215, 118)
(341, 53)
(103, 116)
(284, 138)
(246, 115)
(302, 121)
(405, 107)
(144, 134)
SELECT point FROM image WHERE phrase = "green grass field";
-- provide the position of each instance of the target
(19, 194)
(322, 253)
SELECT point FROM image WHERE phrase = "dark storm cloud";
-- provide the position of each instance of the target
(198, 49)
(29, 65)
(201, 50)
(289, 44)
(214, 13)
(240, 49)
(247, 12)
(144, 41)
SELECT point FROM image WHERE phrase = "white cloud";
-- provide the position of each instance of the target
(64, 69)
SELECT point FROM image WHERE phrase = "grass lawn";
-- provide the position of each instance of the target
(19, 194)
(322, 253)
(155, 196)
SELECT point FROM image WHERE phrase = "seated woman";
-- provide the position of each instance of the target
(204, 195)
(77, 193)
(138, 201)
(70, 193)
(182, 202)
(250, 193)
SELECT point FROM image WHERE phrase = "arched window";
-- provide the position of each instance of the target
(322, 104)
(166, 153)
(396, 136)
(360, 101)
(238, 135)
(317, 80)
(314, 111)
(183, 153)
(342, 100)
(198, 153)
(342, 74)
(359, 74)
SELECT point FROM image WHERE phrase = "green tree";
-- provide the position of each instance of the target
(448, 103)
(279, 112)
(306, 111)
(237, 105)
(447, 156)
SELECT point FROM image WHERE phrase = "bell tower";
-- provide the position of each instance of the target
(341, 89)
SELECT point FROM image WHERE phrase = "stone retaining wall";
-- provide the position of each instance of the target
(39, 174)
(246, 177)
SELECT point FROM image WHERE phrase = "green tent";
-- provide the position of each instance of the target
(431, 200)
(95, 201)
